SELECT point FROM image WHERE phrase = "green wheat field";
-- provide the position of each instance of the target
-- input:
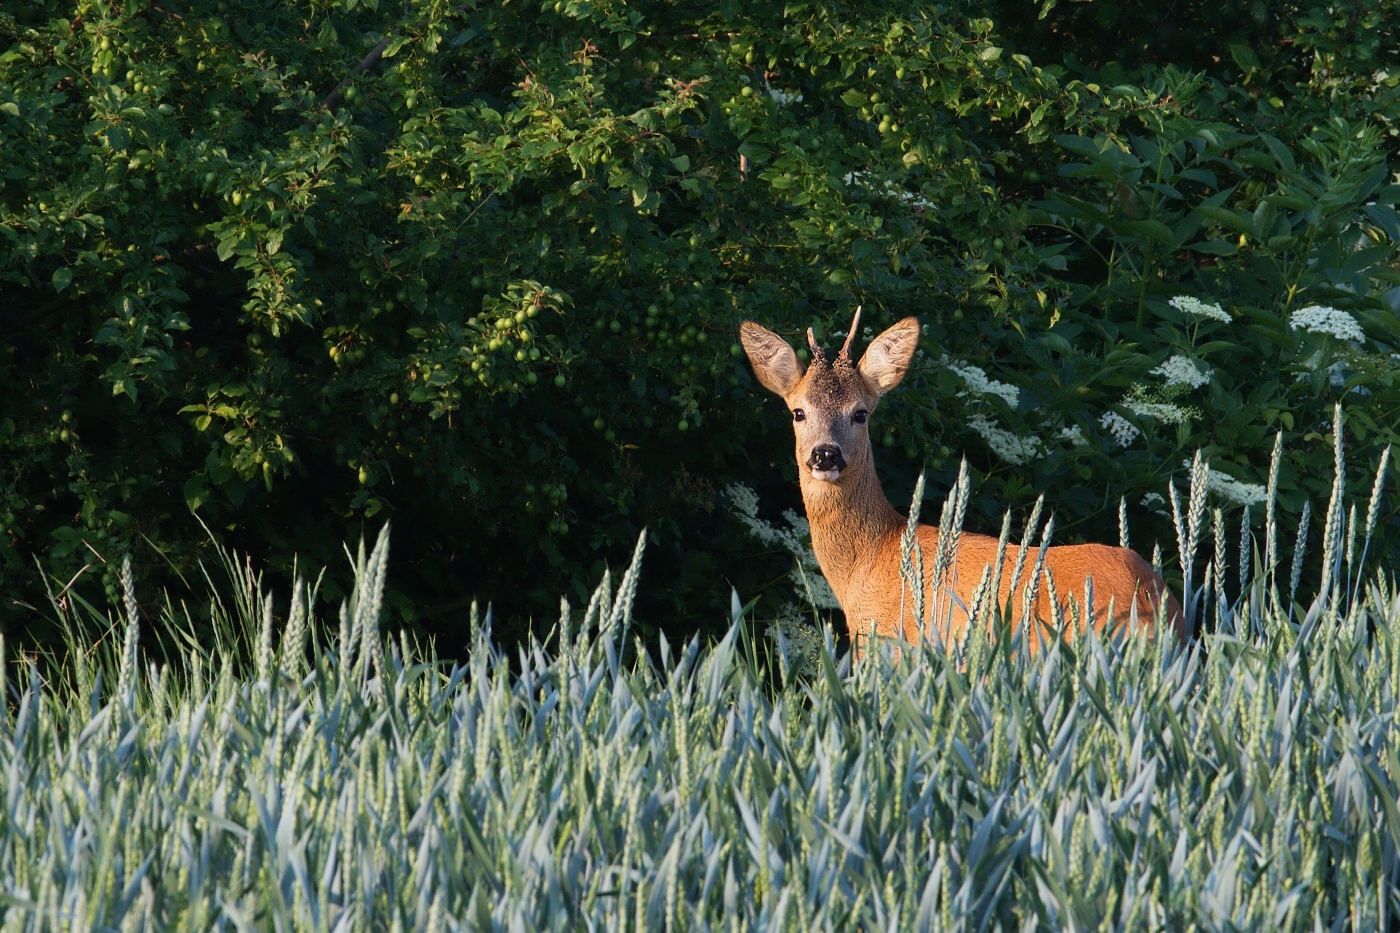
(1244, 781)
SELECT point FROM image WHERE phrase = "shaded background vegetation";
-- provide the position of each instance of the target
(491, 291)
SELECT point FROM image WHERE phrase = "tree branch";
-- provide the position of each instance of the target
(371, 61)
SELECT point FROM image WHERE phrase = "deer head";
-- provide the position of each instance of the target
(831, 402)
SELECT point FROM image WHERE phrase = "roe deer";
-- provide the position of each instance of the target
(856, 532)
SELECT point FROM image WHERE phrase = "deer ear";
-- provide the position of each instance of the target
(887, 358)
(774, 363)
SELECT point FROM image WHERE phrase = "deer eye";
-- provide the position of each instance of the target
(799, 415)
(860, 416)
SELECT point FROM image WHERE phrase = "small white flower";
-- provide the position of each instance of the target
(1227, 487)
(1154, 501)
(1123, 430)
(1320, 319)
(1198, 308)
(1336, 373)
(800, 637)
(1164, 412)
(1007, 446)
(1231, 489)
(784, 98)
(1181, 370)
(806, 573)
(1075, 435)
(978, 385)
(888, 189)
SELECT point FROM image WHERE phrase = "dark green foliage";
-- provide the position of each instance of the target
(493, 293)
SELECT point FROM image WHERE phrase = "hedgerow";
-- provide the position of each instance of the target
(479, 266)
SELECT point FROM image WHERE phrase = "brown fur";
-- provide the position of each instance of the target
(856, 532)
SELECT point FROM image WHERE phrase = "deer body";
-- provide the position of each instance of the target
(856, 533)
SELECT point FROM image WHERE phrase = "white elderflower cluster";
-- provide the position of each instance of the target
(888, 188)
(1336, 373)
(1007, 446)
(1320, 319)
(1232, 490)
(1198, 308)
(979, 385)
(1165, 412)
(806, 574)
(784, 98)
(1075, 435)
(801, 642)
(1124, 431)
(1181, 371)
(1154, 502)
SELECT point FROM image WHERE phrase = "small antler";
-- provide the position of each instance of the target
(845, 353)
(818, 356)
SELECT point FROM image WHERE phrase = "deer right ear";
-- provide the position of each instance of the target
(887, 358)
(774, 363)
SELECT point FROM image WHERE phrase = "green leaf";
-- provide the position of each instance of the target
(1244, 57)
(854, 98)
(196, 494)
(62, 278)
(1236, 220)
(681, 162)
(1215, 248)
(10, 107)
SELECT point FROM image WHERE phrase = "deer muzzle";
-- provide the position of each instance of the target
(826, 462)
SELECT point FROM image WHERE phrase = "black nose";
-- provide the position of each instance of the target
(826, 457)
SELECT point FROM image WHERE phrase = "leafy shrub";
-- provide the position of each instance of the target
(479, 267)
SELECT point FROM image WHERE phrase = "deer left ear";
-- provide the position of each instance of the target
(887, 358)
(774, 363)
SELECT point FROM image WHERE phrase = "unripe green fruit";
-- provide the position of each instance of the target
(747, 91)
(683, 426)
(599, 423)
(237, 198)
(560, 381)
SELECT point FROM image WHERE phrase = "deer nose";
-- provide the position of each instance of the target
(826, 457)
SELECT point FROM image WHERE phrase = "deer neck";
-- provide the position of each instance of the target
(849, 520)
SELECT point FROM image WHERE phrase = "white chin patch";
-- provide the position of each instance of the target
(826, 476)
